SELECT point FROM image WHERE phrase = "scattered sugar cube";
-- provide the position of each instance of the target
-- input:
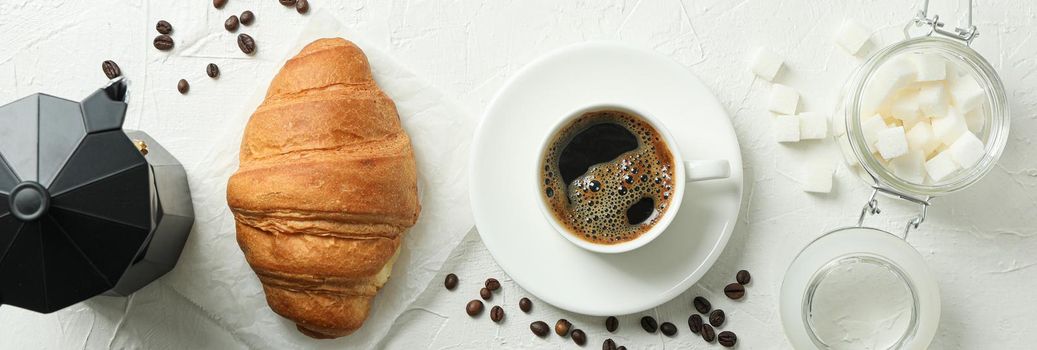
(941, 166)
(921, 138)
(967, 150)
(812, 126)
(852, 36)
(975, 120)
(905, 108)
(786, 128)
(784, 100)
(966, 93)
(818, 178)
(870, 127)
(892, 143)
(887, 82)
(932, 99)
(910, 167)
(929, 67)
(948, 129)
(766, 64)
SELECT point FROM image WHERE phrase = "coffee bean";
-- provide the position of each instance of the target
(247, 17)
(702, 305)
(727, 339)
(668, 329)
(231, 24)
(473, 308)
(609, 344)
(734, 291)
(451, 279)
(695, 323)
(707, 333)
(497, 314)
(214, 71)
(539, 328)
(219, 3)
(485, 294)
(183, 86)
(246, 44)
(562, 327)
(492, 284)
(163, 27)
(579, 337)
(287, 2)
(164, 42)
(717, 317)
(110, 69)
(648, 323)
(743, 277)
(302, 7)
(525, 305)
(611, 324)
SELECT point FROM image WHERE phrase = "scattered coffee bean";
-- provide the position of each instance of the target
(473, 308)
(111, 70)
(492, 284)
(247, 17)
(708, 334)
(164, 42)
(695, 323)
(163, 27)
(525, 305)
(302, 7)
(246, 44)
(451, 279)
(609, 344)
(734, 291)
(727, 339)
(287, 2)
(539, 328)
(214, 71)
(668, 329)
(716, 318)
(702, 305)
(579, 337)
(231, 24)
(183, 86)
(485, 294)
(562, 327)
(497, 314)
(743, 277)
(648, 323)
(219, 3)
(611, 324)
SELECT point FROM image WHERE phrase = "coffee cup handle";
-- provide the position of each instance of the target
(699, 170)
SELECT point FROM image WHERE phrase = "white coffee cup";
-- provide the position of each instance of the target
(689, 170)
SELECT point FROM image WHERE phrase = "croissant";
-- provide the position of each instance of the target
(326, 188)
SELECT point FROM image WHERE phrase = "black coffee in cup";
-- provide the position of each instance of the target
(607, 176)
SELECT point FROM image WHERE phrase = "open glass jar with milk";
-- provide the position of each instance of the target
(921, 118)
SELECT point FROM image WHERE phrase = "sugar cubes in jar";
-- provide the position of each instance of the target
(926, 116)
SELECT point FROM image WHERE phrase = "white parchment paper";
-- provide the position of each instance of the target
(212, 271)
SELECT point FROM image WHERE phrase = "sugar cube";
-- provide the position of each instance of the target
(786, 128)
(905, 108)
(929, 67)
(812, 126)
(888, 80)
(870, 127)
(947, 129)
(932, 99)
(941, 166)
(966, 93)
(784, 100)
(975, 120)
(892, 142)
(909, 167)
(921, 138)
(967, 150)
(818, 178)
(766, 64)
(852, 36)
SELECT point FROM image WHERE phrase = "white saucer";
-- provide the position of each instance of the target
(530, 250)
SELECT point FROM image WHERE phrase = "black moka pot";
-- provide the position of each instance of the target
(85, 207)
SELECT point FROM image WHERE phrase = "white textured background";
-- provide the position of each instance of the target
(981, 242)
